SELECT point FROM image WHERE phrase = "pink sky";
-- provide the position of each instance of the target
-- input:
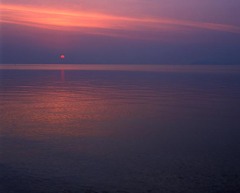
(170, 21)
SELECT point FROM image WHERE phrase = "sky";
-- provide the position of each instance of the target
(120, 31)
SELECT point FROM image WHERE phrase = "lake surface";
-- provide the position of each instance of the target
(119, 129)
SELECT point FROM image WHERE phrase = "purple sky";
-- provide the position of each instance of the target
(121, 31)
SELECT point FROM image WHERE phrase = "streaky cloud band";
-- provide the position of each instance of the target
(100, 23)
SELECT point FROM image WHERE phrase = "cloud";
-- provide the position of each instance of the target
(101, 23)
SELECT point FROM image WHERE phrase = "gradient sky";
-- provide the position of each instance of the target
(121, 31)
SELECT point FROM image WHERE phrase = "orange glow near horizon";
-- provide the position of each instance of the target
(98, 23)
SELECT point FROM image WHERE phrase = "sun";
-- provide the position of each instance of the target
(62, 56)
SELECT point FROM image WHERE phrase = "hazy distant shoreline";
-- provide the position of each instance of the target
(126, 67)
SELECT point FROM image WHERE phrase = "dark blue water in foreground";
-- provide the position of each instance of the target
(119, 132)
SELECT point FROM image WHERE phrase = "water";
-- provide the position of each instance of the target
(157, 129)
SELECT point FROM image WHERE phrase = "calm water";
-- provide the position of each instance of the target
(120, 131)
